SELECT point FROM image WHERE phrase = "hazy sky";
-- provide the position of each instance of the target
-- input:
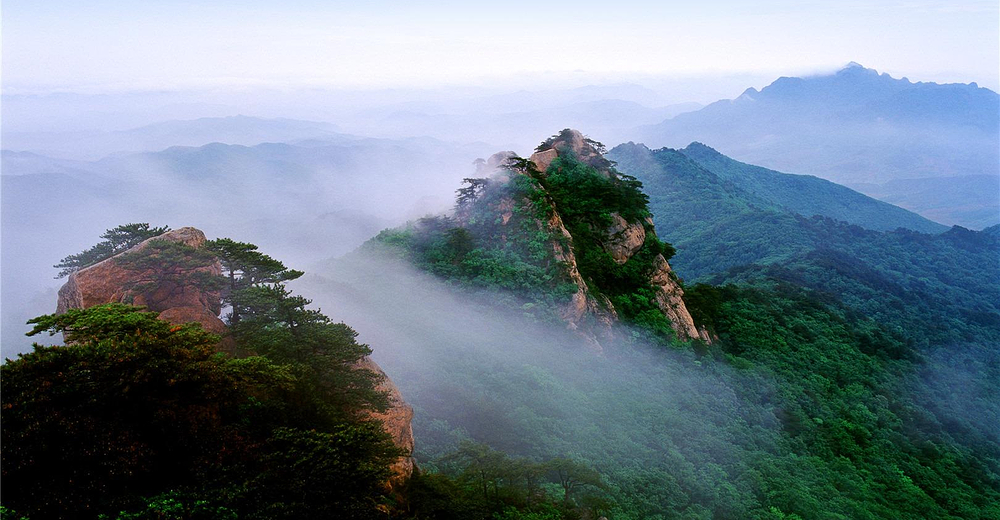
(126, 44)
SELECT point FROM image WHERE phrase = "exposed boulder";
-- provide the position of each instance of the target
(543, 159)
(496, 161)
(110, 281)
(624, 238)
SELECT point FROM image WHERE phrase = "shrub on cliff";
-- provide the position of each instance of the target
(116, 240)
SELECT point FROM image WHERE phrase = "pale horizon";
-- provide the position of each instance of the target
(114, 47)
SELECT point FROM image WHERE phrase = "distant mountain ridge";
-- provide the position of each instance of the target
(854, 126)
(859, 92)
(808, 195)
(237, 130)
(721, 213)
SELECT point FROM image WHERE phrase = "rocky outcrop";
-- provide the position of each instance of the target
(543, 159)
(583, 306)
(569, 141)
(593, 314)
(670, 300)
(397, 421)
(624, 238)
(495, 162)
(110, 281)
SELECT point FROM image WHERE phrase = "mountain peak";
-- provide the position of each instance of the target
(856, 69)
(749, 94)
(574, 142)
(586, 210)
(699, 146)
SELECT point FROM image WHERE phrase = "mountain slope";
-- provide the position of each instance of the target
(808, 195)
(713, 224)
(562, 233)
(971, 201)
(852, 126)
(828, 391)
(724, 233)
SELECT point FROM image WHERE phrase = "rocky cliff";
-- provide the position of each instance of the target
(589, 309)
(114, 280)
(397, 421)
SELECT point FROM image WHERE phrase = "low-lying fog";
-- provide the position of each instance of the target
(301, 203)
(641, 414)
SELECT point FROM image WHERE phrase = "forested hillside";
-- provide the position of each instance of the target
(763, 285)
(808, 195)
(556, 365)
(827, 389)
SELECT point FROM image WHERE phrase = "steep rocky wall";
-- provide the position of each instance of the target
(587, 312)
(623, 239)
(583, 307)
(397, 421)
(592, 316)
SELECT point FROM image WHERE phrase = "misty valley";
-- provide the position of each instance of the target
(784, 305)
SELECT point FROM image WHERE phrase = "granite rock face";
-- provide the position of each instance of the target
(624, 238)
(669, 297)
(543, 159)
(110, 281)
(397, 421)
(593, 315)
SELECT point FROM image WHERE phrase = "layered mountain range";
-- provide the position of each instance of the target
(674, 332)
(860, 127)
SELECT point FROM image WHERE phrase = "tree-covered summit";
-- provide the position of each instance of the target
(563, 235)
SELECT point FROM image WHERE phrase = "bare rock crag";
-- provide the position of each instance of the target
(110, 282)
(589, 313)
